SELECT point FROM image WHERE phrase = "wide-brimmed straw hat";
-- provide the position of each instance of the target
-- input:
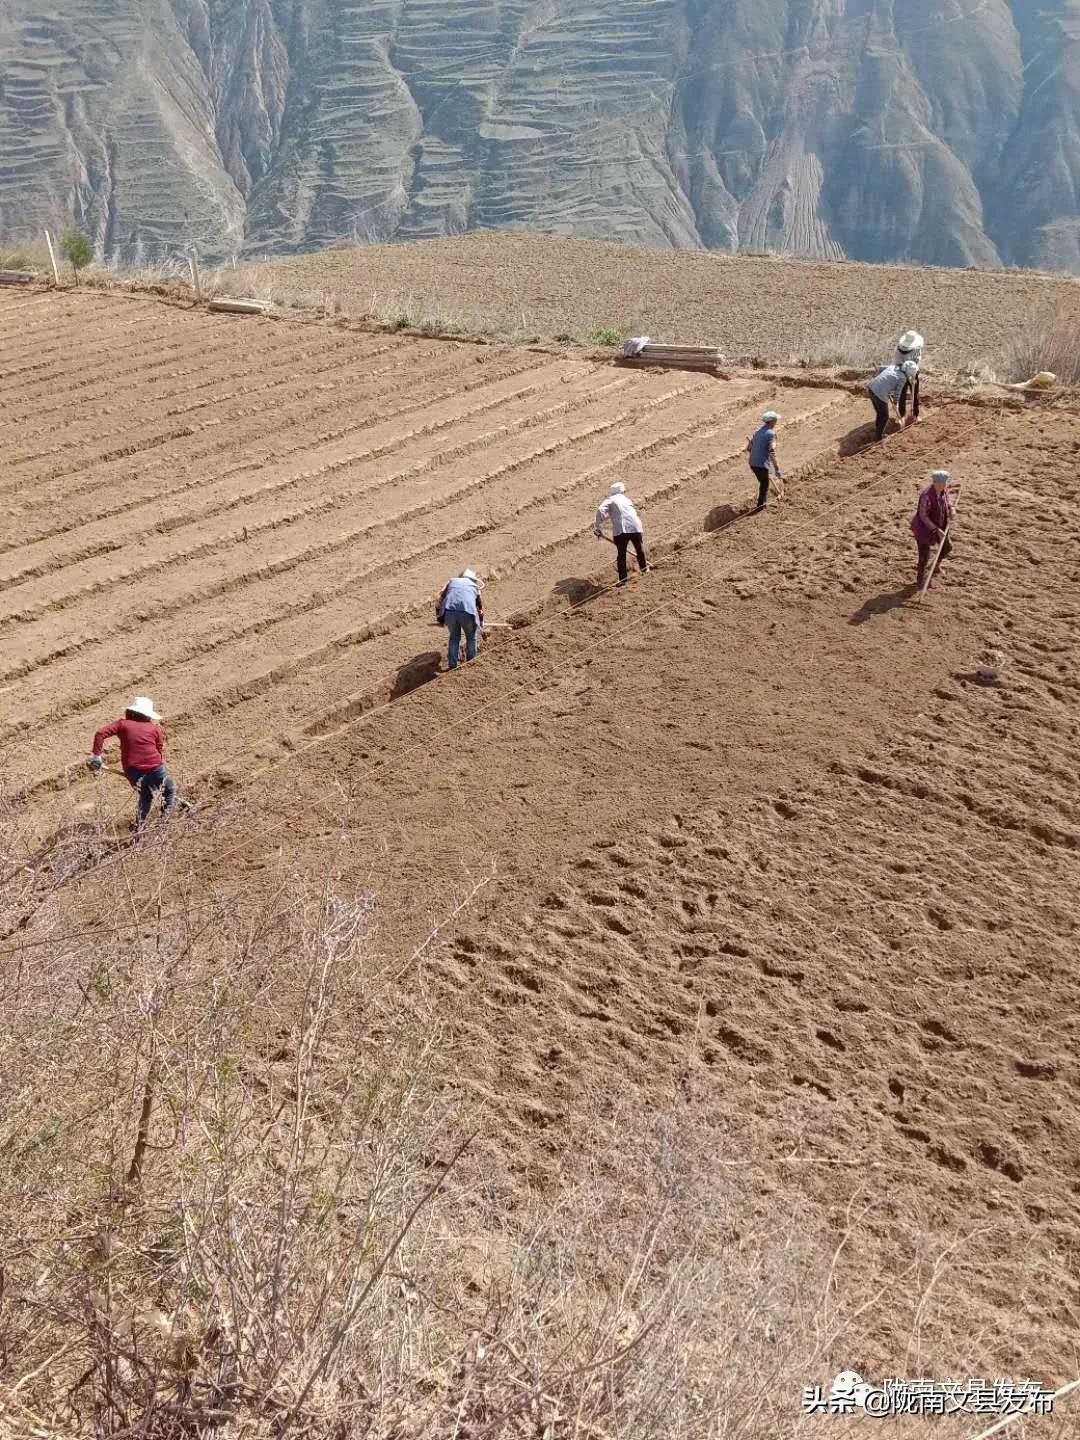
(618, 488)
(144, 706)
(909, 341)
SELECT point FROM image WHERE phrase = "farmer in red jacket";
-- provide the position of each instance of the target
(142, 744)
(931, 521)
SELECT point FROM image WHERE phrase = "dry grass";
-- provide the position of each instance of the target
(392, 309)
(240, 1196)
(766, 307)
(25, 257)
(1054, 347)
(850, 347)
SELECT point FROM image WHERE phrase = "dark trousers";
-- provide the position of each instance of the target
(925, 551)
(762, 474)
(881, 413)
(622, 544)
(914, 389)
(148, 783)
(459, 623)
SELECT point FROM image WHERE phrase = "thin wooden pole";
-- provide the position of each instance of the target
(933, 564)
(196, 282)
(1016, 1415)
(52, 257)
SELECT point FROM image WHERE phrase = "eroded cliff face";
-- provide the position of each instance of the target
(943, 131)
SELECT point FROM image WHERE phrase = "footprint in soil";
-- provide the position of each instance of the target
(833, 1041)
(994, 1158)
(947, 1159)
(742, 1047)
(809, 1083)
(939, 1032)
(1036, 1069)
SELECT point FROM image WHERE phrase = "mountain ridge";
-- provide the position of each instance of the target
(940, 131)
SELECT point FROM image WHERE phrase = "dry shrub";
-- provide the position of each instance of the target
(240, 1196)
(1053, 346)
(861, 349)
(25, 257)
(391, 310)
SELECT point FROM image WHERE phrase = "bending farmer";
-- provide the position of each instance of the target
(761, 449)
(461, 610)
(142, 745)
(931, 520)
(891, 386)
(626, 528)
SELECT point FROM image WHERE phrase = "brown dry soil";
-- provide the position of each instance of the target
(782, 310)
(764, 851)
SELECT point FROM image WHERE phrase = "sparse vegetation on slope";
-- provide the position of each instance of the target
(773, 310)
(655, 1017)
(240, 1194)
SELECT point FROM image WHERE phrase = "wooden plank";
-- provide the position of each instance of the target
(52, 257)
(17, 277)
(239, 307)
(196, 281)
(684, 349)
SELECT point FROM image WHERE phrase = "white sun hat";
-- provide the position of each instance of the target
(910, 340)
(770, 415)
(618, 488)
(910, 369)
(472, 575)
(143, 705)
(941, 476)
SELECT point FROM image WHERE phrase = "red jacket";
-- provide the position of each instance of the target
(142, 743)
(934, 513)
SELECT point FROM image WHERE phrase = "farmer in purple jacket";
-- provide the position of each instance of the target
(931, 520)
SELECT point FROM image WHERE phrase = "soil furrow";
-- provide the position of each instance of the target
(236, 564)
(416, 572)
(259, 440)
(167, 395)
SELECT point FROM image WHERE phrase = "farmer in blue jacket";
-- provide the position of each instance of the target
(761, 452)
(462, 612)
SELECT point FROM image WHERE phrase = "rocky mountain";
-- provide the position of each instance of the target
(943, 131)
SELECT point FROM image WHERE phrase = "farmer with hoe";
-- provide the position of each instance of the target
(142, 745)
(626, 528)
(931, 521)
(761, 450)
(461, 610)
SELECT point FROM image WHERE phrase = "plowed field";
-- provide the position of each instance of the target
(767, 858)
(252, 521)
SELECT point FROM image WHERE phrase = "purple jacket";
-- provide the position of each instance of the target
(934, 513)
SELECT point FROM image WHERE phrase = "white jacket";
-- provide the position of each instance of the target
(624, 518)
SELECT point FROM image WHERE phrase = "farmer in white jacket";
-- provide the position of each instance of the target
(625, 528)
(891, 386)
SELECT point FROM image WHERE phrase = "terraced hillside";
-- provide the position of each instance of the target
(942, 133)
(261, 515)
(746, 851)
